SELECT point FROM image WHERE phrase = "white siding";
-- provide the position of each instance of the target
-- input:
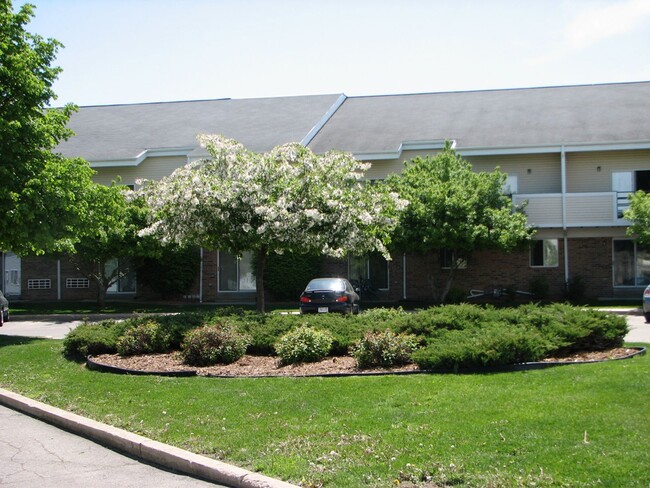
(544, 176)
(151, 168)
(583, 174)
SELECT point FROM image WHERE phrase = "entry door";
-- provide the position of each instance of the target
(12, 274)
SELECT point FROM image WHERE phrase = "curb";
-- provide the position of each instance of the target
(140, 447)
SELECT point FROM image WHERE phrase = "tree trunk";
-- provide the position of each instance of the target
(259, 279)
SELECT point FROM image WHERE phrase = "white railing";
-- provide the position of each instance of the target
(581, 209)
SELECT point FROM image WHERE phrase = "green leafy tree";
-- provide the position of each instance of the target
(456, 210)
(286, 200)
(42, 194)
(111, 226)
(639, 216)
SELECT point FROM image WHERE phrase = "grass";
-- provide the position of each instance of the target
(584, 425)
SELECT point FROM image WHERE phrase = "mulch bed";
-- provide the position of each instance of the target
(260, 366)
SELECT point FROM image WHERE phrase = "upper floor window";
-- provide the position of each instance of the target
(544, 253)
(626, 182)
(510, 187)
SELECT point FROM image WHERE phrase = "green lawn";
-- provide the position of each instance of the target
(583, 425)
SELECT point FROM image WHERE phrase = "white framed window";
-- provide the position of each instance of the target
(371, 270)
(631, 264)
(39, 284)
(236, 274)
(77, 283)
(544, 253)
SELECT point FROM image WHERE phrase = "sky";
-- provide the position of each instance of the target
(133, 51)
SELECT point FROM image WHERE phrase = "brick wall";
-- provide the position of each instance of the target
(589, 258)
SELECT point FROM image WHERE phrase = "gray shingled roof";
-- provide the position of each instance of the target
(122, 132)
(491, 119)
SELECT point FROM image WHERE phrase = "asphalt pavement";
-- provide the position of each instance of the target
(35, 453)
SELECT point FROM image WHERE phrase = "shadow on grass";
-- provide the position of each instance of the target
(16, 340)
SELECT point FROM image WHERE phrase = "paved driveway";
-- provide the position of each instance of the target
(34, 453)
(57, 326)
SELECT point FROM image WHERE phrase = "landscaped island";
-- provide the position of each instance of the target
(450, 338)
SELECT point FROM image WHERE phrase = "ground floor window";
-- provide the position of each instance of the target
(236, 274)
(544, 253)
(126, 275)
(370, 270)
(631, 263)
(449, 257)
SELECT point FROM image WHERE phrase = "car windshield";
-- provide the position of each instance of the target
(334, 284)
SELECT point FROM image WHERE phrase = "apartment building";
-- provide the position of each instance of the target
(572, 154)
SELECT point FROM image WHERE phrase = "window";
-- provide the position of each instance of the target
(544, 253)
(626, 182)
(39, 284)
(372, 269)
(77, 283)
(631, 263)
(510, 186)
(126, 276)
(236, 274)
(447, 259)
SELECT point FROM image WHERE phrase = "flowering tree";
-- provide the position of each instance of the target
(288, 199)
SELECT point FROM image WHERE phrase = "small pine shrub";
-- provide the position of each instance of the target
(91, 339)
(383, 349)
(492, 345)
(214, 344)
(304, 344)
(145, 338)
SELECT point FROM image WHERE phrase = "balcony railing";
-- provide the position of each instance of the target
(582, 209)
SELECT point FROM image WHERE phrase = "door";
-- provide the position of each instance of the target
(12, 274)
(623, 185)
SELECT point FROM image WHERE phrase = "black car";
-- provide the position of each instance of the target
(324, 295)
(4, 305)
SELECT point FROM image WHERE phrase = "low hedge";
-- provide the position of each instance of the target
(452, 336)
(91, 339)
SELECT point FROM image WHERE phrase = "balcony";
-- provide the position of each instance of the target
(582, 209)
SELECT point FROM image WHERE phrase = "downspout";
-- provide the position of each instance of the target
(58, 279)
(564, 221)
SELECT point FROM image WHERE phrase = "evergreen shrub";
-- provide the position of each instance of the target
(91, 339)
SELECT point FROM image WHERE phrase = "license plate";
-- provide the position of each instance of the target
(323, 310)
